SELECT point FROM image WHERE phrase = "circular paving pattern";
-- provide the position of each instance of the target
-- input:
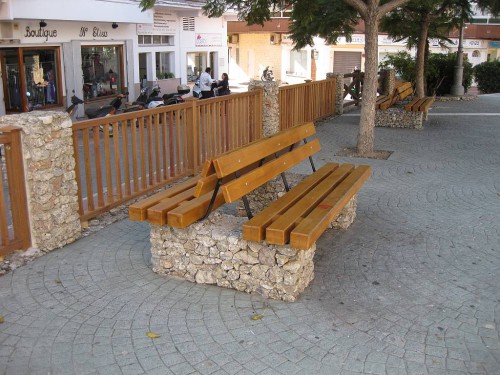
(412, 287)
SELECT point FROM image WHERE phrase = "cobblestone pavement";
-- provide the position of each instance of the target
(412, 287)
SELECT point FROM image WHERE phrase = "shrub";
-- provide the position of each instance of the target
(403, 64)
(439, 73)
(487, 75)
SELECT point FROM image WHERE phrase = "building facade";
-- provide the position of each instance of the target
(252, 48)
(50, 49)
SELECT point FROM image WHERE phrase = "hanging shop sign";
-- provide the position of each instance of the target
(208, 40)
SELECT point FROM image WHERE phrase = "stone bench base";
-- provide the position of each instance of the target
(212, 251)
(397, 117)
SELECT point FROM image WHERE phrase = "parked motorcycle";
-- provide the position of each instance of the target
(106, 110)
(168, 99)
(267, 74)
(75, 101)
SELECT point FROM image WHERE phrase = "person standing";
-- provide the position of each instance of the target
(206, 84)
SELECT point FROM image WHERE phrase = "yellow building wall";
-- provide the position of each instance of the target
(257, 52)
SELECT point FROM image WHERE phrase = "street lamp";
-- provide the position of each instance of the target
(458, 89)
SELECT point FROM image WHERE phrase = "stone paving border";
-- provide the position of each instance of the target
(412, 287)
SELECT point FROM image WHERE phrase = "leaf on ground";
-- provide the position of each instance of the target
(57, 281)
(257, 316)
(152, 335)
(2, 320)
(435, 361)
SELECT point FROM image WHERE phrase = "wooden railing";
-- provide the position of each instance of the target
(306, 102)
(14, 221)
(354, 88)
(124, 156)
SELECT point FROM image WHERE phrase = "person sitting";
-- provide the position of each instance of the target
(223, 87)
(206, 84)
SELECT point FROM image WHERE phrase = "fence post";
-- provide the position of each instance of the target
(17, 187)
(49, 168)
(339, 92)
(193, 141)
(388, 81)
(270, 105)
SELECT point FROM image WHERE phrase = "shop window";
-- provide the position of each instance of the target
(476, 53)
(164, 65)
(32, 78)
(102, 71)
(158, 40)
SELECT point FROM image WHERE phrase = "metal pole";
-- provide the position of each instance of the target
(457, 88)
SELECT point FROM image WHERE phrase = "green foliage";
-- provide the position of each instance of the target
(487, 75)
(436, 16)
(164, 75)
(403, 63)
(439, 74)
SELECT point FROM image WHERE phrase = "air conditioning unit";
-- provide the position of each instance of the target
(235, 38)
(275, 39)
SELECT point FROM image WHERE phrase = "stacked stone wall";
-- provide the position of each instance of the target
(397, 117)
(50, 177)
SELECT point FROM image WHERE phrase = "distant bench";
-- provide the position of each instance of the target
(272, 254)
(388, 114)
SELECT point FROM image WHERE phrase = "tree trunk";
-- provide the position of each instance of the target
(367, 119)
(420, 59)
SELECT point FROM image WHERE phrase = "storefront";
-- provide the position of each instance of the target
(181, 44)
(45, 61)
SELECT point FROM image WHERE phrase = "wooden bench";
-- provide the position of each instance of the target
(272, 253)
(401, 92)
(420, 104)
(299, 217)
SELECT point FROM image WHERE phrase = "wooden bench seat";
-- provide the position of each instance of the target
(299, 217)
(401, 92)
(420, 104)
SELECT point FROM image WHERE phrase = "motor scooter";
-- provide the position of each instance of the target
(171, 98)
(75, 101)
(106, 110)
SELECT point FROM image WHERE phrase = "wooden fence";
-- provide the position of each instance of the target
(306, 102)
(14, 221)
(121, 157)
(354, 88)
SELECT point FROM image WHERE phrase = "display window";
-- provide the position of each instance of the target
(102, 71)
(31, 78)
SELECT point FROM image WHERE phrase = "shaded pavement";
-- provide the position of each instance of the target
(412, 287)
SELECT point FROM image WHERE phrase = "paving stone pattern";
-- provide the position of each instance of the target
(412, 287)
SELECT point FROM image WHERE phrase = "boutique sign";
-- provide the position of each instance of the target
(40, 33)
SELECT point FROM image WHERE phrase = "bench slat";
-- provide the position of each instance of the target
(255, 228)
(279, 231)
(157, 214)
(189, 212)
(424, 107)
(138, 210)
(414, 105)
(258, 150)
(406, 93)
(252, 180)
(308, 231)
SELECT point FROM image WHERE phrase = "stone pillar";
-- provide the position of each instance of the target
(50, 177)
(388, 81)
(270, 105)
(339, 92)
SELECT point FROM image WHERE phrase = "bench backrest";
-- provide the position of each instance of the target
(253, 165)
